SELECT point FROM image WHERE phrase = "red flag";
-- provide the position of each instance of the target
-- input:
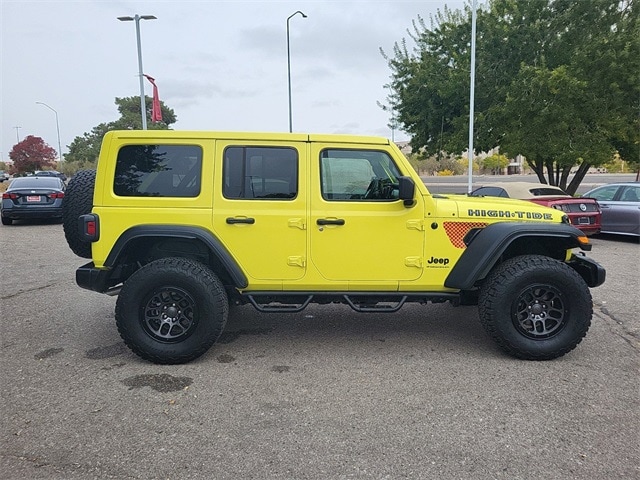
(156, 111)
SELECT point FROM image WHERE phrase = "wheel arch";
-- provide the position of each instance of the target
(501, 241)
(159, 241)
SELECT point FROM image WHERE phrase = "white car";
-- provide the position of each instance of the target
(3, 176)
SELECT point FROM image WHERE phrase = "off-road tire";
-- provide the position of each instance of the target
(78, 200)
(171, 310)
(535, 307)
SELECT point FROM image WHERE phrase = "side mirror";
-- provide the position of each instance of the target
(406, 191)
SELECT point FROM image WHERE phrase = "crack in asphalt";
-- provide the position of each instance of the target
(620, 329)
(34, 289)
(62, 467)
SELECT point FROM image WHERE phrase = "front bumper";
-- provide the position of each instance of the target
(592, 272)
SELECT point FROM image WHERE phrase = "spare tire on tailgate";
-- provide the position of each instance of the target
(78, 200)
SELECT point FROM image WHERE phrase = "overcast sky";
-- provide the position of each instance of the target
(221, 65)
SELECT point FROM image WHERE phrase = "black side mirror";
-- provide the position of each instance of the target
(407, 189)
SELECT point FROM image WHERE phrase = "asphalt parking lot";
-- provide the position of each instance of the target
(325, 393)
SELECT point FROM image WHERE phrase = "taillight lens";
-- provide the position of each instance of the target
(89, 227)
(57, 195)
(11, 196)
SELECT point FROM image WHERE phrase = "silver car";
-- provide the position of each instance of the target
(620, 205)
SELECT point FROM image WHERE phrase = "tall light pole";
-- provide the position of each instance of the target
(57, 128)
(137, 18)
(472, 93)
(289, 64)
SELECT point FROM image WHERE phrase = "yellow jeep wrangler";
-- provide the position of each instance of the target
(180, 224)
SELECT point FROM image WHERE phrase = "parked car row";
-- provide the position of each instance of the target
(38, 173)
(50, 173)
(613, 208)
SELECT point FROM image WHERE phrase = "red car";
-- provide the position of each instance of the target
(583, 213)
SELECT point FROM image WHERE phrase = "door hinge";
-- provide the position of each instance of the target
(297, 261)
(413, 262)
(415, 225)
(297, 223)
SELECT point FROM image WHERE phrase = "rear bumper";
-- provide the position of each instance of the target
(91, 278)
(18, 213)
(592, 272)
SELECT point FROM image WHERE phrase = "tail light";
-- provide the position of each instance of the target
(11, 196)
(56, 195)
(89, 227)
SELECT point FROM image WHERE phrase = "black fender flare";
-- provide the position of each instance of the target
(485, 247)
(221, 253)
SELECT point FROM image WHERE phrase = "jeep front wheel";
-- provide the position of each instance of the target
(535, 307)
(171, 310)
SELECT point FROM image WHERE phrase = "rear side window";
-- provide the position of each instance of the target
(158, 171)
(260, 173)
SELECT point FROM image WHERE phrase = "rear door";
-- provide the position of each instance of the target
(624, 213)
(259, 209)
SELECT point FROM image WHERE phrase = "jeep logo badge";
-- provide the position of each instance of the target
(438, 261)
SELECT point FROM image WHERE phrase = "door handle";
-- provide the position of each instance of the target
(330, 221)
(248, 220)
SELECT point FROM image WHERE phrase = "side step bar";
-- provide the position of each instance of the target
(277, 302)
(375, 306)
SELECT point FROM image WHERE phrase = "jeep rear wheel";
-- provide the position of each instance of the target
(78, 200)
(535, 307)
(171, 311)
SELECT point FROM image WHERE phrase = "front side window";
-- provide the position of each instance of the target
(268, 173)
(158, 171)
(357, 175)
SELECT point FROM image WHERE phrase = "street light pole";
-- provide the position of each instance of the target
(137, 18)
(57, 128)
(289, 64)
(472, 94)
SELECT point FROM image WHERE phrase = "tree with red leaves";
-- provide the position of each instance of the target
(32, 154)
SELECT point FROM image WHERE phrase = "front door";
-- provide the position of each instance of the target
(360, 232)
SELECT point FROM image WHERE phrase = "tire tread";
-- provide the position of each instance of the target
(495, 293)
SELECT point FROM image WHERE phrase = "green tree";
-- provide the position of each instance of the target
(32, 154)
(557, 81)
(495, 163)
(86, 148)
